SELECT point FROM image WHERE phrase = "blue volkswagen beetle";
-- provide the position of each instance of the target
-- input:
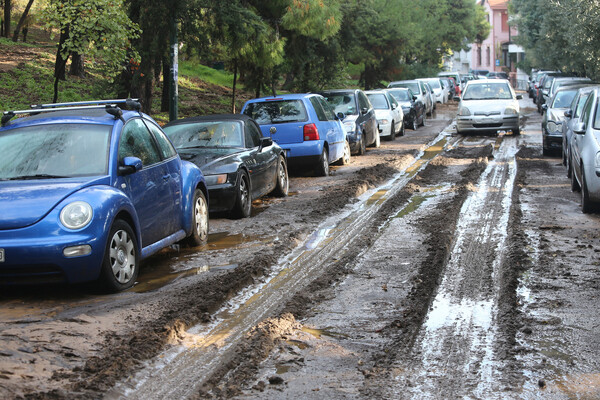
(305, 126)
(86, 192)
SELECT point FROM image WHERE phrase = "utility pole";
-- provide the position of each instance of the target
(173, 88)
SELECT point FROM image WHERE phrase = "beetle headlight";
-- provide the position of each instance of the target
(464, 112)
(76, 215)
(510, 111)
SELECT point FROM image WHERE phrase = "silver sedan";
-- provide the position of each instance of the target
(488, 105)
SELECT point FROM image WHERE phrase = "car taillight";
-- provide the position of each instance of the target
(311, 132)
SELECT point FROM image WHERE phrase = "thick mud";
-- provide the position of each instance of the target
(379, 320)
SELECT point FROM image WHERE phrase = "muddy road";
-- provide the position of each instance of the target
(436, 266)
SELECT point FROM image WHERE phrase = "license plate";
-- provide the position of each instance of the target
(1, 255)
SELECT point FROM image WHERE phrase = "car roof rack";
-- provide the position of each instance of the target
(109, 105)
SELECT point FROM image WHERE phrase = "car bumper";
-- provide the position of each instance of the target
(30, 257)
(552, 141)
(483, 124)
(222, 197)
(385, 130)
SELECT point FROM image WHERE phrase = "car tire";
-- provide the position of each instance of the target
(423, 121)
(362, 147)
(415, 124)
(587, 206)
(402, 129)
(283, 182)
(120, 265)
(323, 167)
(392, 132)
(243, 201)
(377, 140)
(569, 169)
(574, 184)
(199, 235)
(345, 160)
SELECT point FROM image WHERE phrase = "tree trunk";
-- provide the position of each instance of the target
(77, 65)
(7, 7)
(21, 21)
(60, 64)
(166, 84)
(235, 68)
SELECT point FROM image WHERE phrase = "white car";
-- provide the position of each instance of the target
(440, 92)
(389, 113)
(419, 89)
(488, 105)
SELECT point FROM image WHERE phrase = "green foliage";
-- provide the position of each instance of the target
(192, 69)
(95, 27)
(560, 34)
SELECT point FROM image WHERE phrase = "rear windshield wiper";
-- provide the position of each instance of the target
(36, 176)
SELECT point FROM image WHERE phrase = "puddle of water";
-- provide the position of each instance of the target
(317, 333)
(377, 197)
(162, 276)
(299, 344)
(317, 237)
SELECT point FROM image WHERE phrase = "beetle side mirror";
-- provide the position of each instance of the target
(569, 114)
(131, 165)
(579, 128)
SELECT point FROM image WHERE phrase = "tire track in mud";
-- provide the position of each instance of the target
(454, 354)
(214, 346)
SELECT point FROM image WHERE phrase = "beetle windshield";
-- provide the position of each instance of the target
(206, 134)
(54, 151)
(342, 102)
(277, 112)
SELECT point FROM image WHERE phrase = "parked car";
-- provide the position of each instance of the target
(238, 162)
(87, 192)
(430, 98)
(554, 117)
(572, 116)
(419, 89)
(454, 75)
(544, 85)
(441, 92)
(389, 113)
(305, 126)
(488, 105)
(585, 148)
(558, 82)
(360, 121)
(449, 85)
(412, 108)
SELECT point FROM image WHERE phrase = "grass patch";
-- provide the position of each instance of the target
(192, 69)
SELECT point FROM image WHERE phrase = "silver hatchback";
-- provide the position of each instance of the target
(488, 105)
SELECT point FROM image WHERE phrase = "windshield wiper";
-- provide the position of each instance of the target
(36, 176)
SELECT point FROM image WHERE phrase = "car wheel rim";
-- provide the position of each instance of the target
(200, 213)
(244, 192)
(122, 256)
(282, 176)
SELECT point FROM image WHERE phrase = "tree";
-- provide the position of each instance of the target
(7, 10)
(22, 21)
(91, 27)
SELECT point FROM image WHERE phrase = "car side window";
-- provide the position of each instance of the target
(318, 108)
(329, 113)
(587, 109)
(166, 148)
(363, 101)
(392, 100)
(253, 134)
(136, 141)
(581, 103)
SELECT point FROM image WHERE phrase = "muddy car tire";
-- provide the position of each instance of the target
(392, 132)
(199, 235)
(120, 265)
(283, 182)
(362, 147)
(345, 160)
(587, 206)
(402, 129)
(243, 201)
(323, 167)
